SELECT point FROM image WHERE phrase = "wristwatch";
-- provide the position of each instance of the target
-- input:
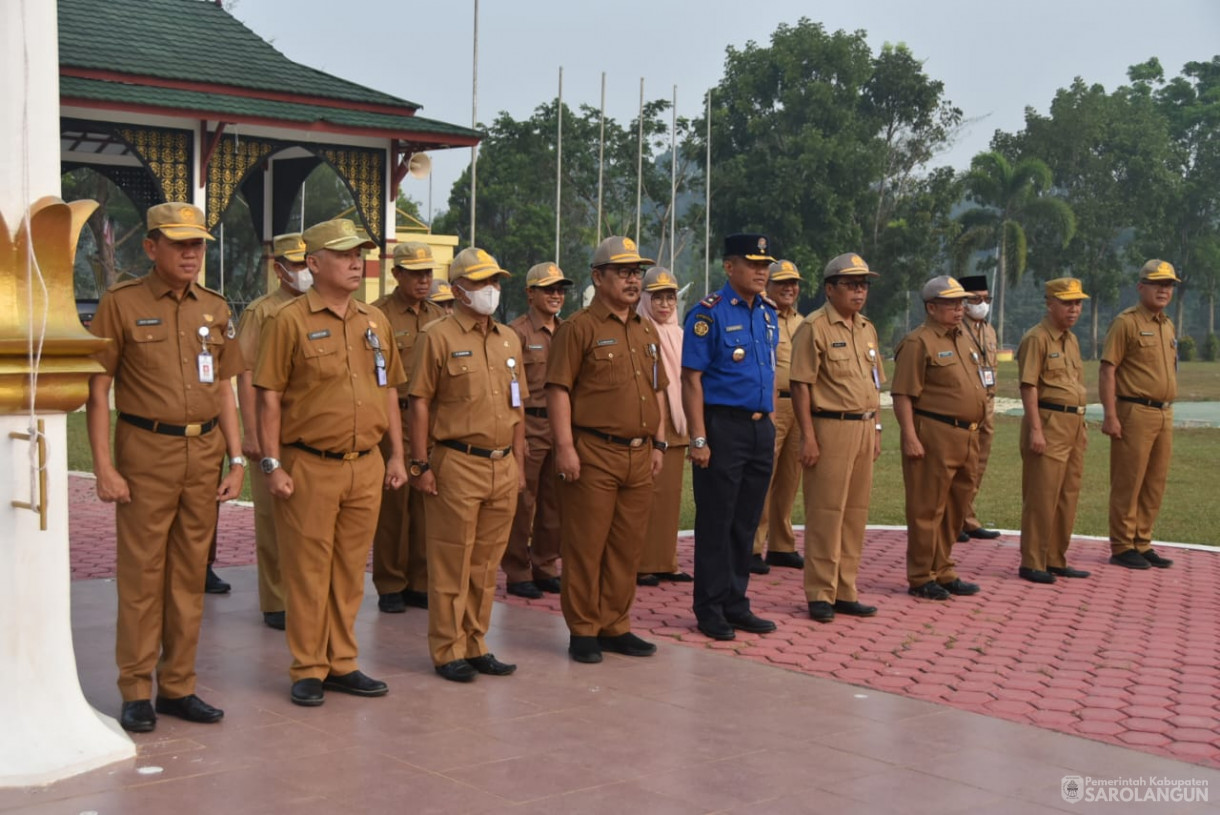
(418, 468)
(237, 461)
(269, 465)
(698, 442)
(878, 425)
(660, 445)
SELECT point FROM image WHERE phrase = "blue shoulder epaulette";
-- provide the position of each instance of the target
(710, 300)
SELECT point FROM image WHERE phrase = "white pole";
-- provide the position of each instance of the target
(639, 166)
(474, 123)
(673, 179)
(707, 201)
(222, 257)
(302, 206)
(558, 162)
(601, 159)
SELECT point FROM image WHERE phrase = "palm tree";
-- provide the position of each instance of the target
(1009, 196)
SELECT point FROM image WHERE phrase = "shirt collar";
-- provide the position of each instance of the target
(469, 322)
(942, 330)
(315, 304)
(1148, 314)
(602, 312)
(160, 288)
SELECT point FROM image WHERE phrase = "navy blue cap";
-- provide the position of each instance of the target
(748, 246)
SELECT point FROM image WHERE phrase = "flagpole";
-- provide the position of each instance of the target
(673, 179)
(601, 159)
(474, 123)
(558, 162)
(707, 201)
(639, 166)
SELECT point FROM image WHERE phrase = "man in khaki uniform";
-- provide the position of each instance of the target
(1138, 382)
(605, 398)
(326, 376)
(531, 562)
(171, 360)
(775, 533)
(836, 395)
(978, 306)
(295, 278)
(940, 399)
(442, 295)
(400, 556)
(466, 385)
(1053, 438)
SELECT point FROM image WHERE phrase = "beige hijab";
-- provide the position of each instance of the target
(671, 356)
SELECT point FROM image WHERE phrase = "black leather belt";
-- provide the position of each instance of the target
(1135, 400)
(638, 441)
(349, 456)
(785, 394)
(735, 412)
(539, 412)
(188, 430)
(940, 417)
(1061, 408)
(471, 450)
(846, 417)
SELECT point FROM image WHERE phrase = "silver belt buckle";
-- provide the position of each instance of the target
(496, 455)
(637, 442)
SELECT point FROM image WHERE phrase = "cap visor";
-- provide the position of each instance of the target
(1068, 297)
(551, 281)
(755, 257)
(185, 233)
(486, 274)
(418, 265)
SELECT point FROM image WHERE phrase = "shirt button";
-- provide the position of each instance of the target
(359, 403)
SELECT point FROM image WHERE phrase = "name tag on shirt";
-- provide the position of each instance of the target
(457, 354)
(608, 341)
(838, 345)
(944, 354)
(319, 335)
(149, 321)
(1147, 333)
(535, 347)
(1054, 355)
(733, 327)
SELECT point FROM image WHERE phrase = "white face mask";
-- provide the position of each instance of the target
(978, 312)
(484, 301)
(301, 281)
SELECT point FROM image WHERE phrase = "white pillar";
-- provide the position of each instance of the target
(47, 729)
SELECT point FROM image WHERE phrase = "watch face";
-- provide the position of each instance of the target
(415, 470)
(269, 465)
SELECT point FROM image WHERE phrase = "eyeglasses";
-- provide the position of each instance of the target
(556, 289)
(623, 272)
(976, 300)
(854, 285)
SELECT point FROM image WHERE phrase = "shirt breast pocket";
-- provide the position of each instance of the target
(1056, 368)
(149, 347)
(465, 376)
(737, 347)
(323, 359)
(943, 371)
(840, 361)
(607, 367)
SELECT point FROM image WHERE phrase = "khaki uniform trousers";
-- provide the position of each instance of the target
(775, 533)
(659, 554)
(266, 547)
(1050, 488)
(468, 522)
(604, 517)
(163, 536)
(324, 529)
(400, 545)
(937, 488)
(986, 437)
(533, 543)
(837, 491)
(1139, 466)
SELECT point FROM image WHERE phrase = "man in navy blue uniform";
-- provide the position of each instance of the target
(728, 391)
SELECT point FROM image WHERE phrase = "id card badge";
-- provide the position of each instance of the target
(381, 377)
(207, 368)
(988, 377)
(876, 378)
(514, 394)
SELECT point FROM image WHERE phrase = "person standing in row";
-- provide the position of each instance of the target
(531, 561)
(1053, 437)
(659, 555)
(775, 534)
(982, 335)
(728, 392)
(836, 395)
(400, 558)
(1137, 383)
(326, 377)
(605, 397)
(940, 400)
(442, 295)
(466, 390)
(171, 359)
(295, 279)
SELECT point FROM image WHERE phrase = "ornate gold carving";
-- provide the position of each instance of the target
(167, 153)
(364, 171)
(233, 159)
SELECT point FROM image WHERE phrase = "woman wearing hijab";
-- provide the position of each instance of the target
(659, 556)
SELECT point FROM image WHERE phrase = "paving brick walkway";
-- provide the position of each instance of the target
(1128, 658)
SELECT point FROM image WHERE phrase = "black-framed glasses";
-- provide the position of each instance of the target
(854, 285)
(624, 272)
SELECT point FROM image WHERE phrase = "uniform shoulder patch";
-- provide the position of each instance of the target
(710, 300)
(202, 287)
(702, 325)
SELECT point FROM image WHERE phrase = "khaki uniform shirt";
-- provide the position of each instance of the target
(611, 370)
(788, 324)
(251, 326)
(536, 346)
(324, 365)
(935, 366)
(982, 334)
(1049, 359)
(839, 358)
(154, 353)
(408, 323)
(467, 378)
(1144, 352)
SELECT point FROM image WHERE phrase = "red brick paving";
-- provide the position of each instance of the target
(1128, 658)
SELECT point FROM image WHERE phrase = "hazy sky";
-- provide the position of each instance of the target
(995, 59)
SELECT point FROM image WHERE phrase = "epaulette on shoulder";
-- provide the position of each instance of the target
(710, 300)
(213, 292)
(125, 284)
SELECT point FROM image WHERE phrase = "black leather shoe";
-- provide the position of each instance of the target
(786, 560)
(959, 587)
(1130, 559)
(550, 585)
(854, 608)
(526, 589)
(647, 580)
(751, 623)
(1035, 575)
(675, 577)
(929, 591)
(962, 536)
(275, 619)
(1156, 560)
(983, 534)
(391, 603)
(585, 649)
(716, 629)
(627, 644)
(191, 708)
(758, 565)
(138, 716)
(1067, 571)
(415, 599)
(821, 612)
(356, 683)
(308, 692)
(488, 664)
(457, 671)
(214, 585)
